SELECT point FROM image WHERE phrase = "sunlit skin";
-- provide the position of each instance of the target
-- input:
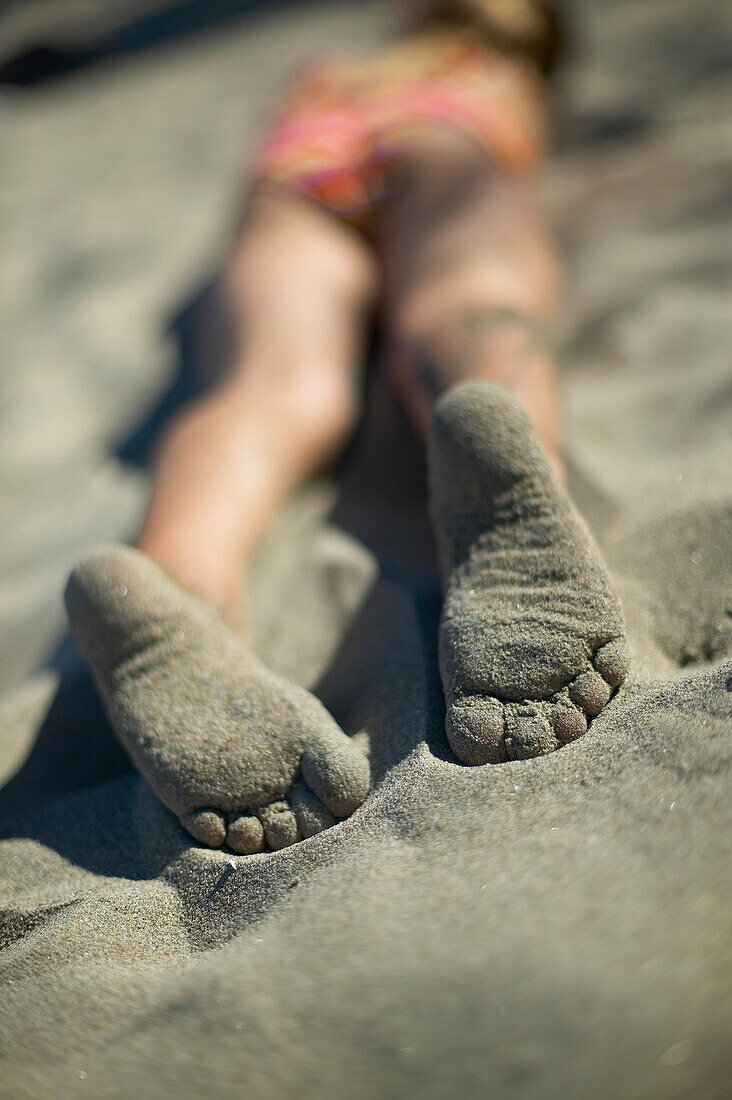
(468, 280)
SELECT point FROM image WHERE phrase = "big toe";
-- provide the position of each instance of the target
(337, 771)
(612, 661)
(475, 729)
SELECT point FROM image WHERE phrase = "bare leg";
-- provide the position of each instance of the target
(241, 756)
(301, 286)
(472, 282)
(531, 636)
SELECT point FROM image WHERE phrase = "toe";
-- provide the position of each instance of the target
(612, 661)
(310, 813)
(206, 826)
(245, 835)
(590, 692)
(280, 826)
(568, 722)
(338, 772)
(528, 732)
(476, 730)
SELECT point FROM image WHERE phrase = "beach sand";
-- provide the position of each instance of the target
(548, 927)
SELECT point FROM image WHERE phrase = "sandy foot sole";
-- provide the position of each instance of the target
(532, 643)
(240, 755)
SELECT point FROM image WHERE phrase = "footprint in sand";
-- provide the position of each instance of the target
(531, 636)
(238, 754)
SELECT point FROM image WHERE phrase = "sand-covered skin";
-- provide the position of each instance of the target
(532, 643)
(238, 754)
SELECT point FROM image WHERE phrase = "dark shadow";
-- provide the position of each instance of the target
(77, 791)
(599, 130)
(382, 502)
(167, 25)
(364, 659)
(202, 333)
(75, 747)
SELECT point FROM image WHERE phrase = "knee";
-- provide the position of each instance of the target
(318, 404)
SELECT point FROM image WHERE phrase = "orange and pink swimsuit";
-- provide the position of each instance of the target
(331, 140)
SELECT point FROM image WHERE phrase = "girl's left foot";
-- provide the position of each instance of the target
(532, 642)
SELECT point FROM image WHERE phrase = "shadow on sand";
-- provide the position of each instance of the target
(166, 25)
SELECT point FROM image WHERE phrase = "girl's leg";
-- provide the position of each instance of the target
(531, 636)
(471, 282)
(301, 287)
(239, 755)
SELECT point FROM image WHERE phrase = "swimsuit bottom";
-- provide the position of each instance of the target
(332, 141)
